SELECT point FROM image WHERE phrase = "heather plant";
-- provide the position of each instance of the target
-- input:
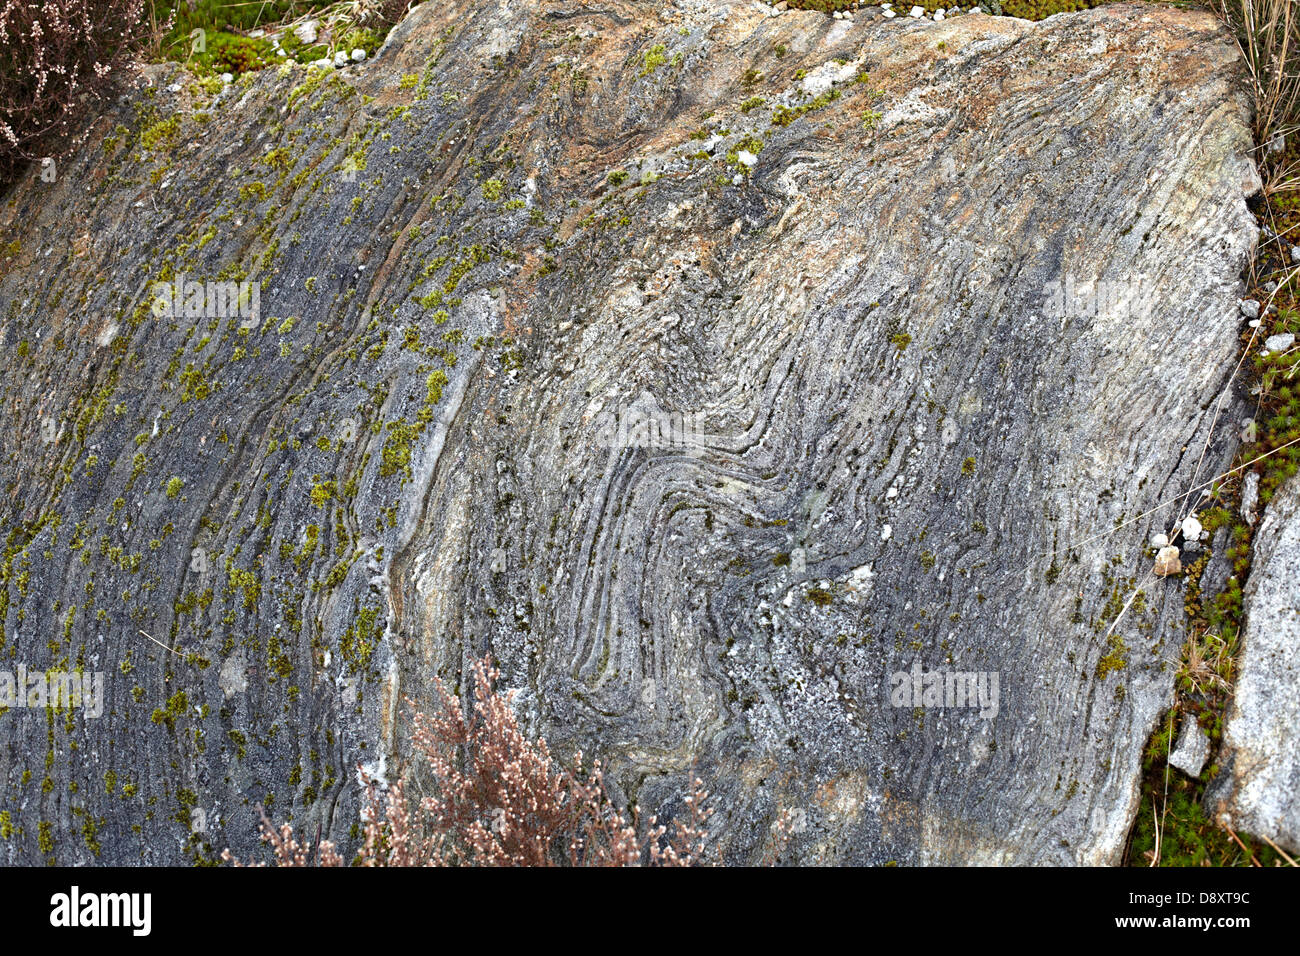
(58, 58)
(495, 797)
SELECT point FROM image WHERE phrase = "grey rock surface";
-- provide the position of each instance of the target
(1258, 788)
(1193, 748)
(541, 367)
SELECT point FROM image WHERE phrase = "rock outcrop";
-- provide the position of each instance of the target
(725, 374)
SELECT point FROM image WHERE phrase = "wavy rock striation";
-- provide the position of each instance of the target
(710, 367)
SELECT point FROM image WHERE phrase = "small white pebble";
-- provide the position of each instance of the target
(1191, 528)
(917, 12)
(358, 55)
(227, 77)
(1167, 562)
(1159, 540)
(886, 532)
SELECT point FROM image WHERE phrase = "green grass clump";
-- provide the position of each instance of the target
(226, 25)
(231, 53)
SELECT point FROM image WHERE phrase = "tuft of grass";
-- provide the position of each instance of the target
(1268, 33)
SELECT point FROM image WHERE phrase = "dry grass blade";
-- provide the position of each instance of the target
(1269, 34)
